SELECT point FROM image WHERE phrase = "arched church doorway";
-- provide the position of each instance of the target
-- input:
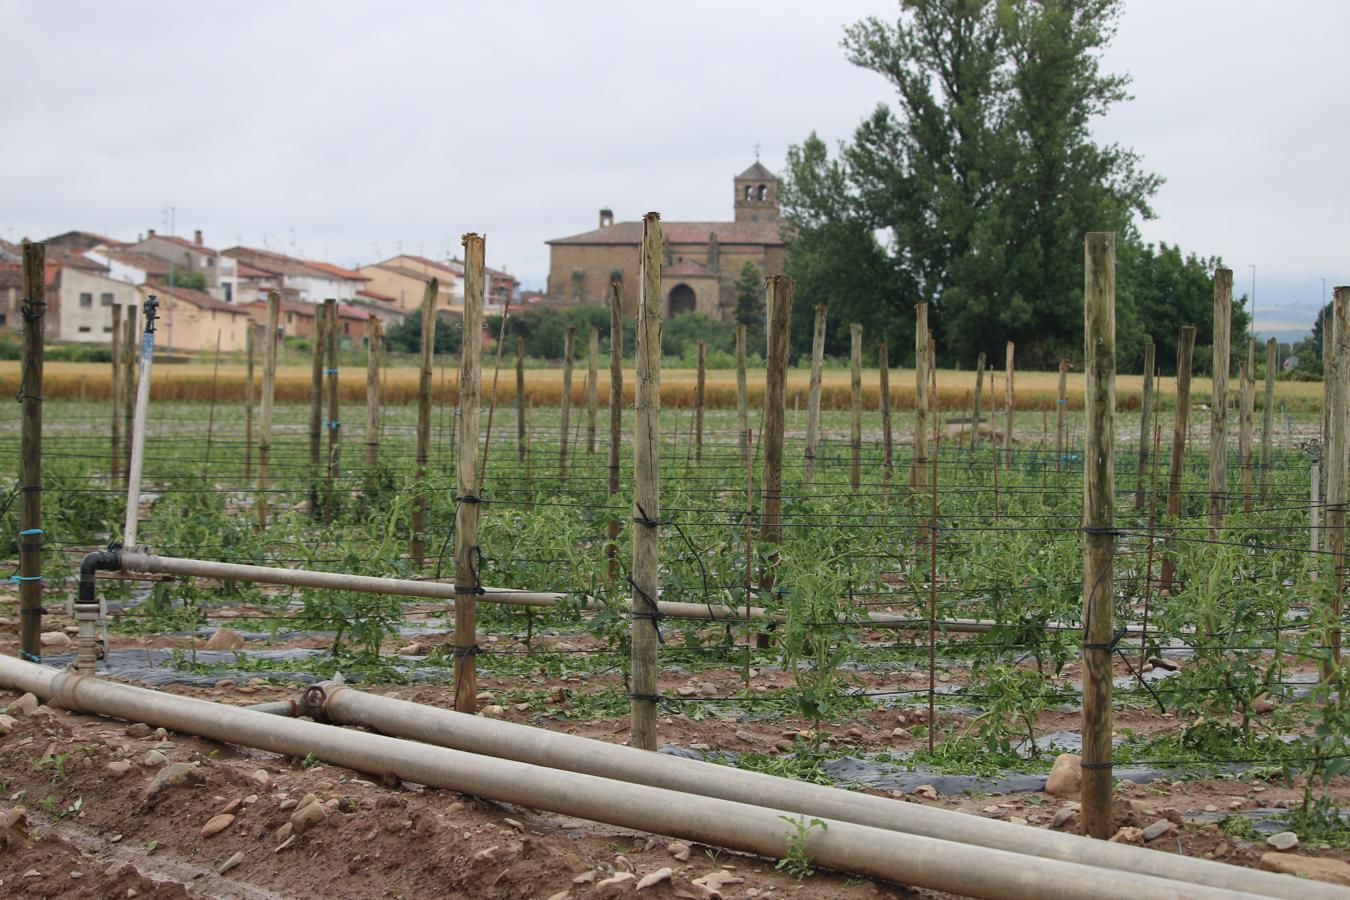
(681, 300)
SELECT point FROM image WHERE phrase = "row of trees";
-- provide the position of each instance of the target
(975, 188)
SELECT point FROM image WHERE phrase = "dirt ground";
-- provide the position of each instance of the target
(95, 825)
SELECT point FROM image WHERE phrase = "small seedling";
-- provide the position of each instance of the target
(798, 862)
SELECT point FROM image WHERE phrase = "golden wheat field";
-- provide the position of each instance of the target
(543, 387)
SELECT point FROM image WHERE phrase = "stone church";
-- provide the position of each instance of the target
(703, 260)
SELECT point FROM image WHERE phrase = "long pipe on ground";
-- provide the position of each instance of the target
(341, 581)
(842, 846)
(340, 704)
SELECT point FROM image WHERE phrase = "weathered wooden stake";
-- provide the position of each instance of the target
(616, 419)
(1246, 399)
(975, 409)
(569, 342)
(646, 488)
(781, 291)
(887, 439)
(250, 352)
(1338, 448)
(592, 390)
(269, 387)
(1099, 548)
(34, 276)
(521, 442)
(129, 382)
(1145, 415)
(417, 545)
(919, 464)
(316, 407)
(700, 396)
(1062, 416)
(855, 406)
(1218, 405)
(115, 453)
(374, 342)
(742, 398)
(1268, 415)
(333, 423)
(467, 580)
(1008, 407)
(813, 397)
(1180, 432)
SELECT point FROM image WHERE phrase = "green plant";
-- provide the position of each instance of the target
(797, 862)
(310, 761)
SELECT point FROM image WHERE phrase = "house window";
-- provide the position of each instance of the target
(2, 318)
(87, 301)
(229, 292)
(210, 262)
(84, 329)
(105, 299)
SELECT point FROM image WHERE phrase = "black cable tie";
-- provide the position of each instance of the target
(1097, 765)
(34, 611)
(651, 698)
(471, 650)
(1110, 646)
(468, 498)
(31, 489)
(1102, 530)
(654, 616)
(470, 589)
(643, 519)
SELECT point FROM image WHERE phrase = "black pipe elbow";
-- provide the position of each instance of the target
(98, 560)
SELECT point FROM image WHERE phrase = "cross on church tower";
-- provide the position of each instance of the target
(756, 152)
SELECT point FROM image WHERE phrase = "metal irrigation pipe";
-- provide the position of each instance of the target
(942, 865)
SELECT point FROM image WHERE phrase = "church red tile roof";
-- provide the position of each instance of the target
(757, 233)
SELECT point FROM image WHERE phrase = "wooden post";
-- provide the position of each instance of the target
(975, 410)
(569, 342)
(919, 464)
(250, 352)
(742, 398)
(700, 396)
(316, 407)
(129, 377)
(1314, 516)
(1099, 546)
(1008, 407)
(1062, 415)
(1268, 415)
(374, 344)
(269, 385)
(1145, 416)
(333, 423)
(616, 418)
(521, 442)
(813, 396)
(592, 392)
(646, 489)
(781, 290)
(1218, 405)
(855, 406)
(887, 440)
(1338, 446)
(418, 545)
(1328, 376)
(1246, 402)
(30, 451)
(115, 452)
(1180, 431)
(468, 583)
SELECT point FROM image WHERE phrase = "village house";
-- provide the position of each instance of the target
(702, 261)
(301, 279)
(404, 278)
(194, 320)
(80, 298)
(183, 255)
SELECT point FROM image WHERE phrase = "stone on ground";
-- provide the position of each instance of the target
(1066, 776)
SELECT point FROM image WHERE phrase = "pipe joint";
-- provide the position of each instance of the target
(109, 560)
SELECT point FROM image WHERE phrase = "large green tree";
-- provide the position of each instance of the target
(973, 190)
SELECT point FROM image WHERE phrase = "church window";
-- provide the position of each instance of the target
(763, 192)
(749, 192)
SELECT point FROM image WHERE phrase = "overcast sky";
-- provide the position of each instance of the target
(347, 131)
